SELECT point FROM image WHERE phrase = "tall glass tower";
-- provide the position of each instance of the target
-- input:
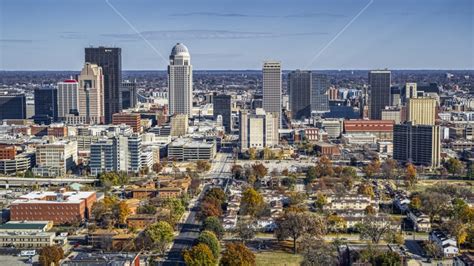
(110, 59)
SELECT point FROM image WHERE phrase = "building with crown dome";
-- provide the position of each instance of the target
(180, 81)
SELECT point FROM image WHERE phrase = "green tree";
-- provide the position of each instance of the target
(214, 225)
(199, 255)
(252, 153)
(210, 239)
(311, 175)
(237, 254)
(372, 169)
(320, 201)
(317, 252)
(161, 234)
(252, 202)
(176, 208)
(146, 209)
(454, 166)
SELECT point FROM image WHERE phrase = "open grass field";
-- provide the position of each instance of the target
(278, 258)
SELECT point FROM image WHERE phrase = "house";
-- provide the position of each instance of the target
(140, 221)
(143, 193)
(350, 202)
(446, 244)
(170, 192)
(402, 202)
(421, 222)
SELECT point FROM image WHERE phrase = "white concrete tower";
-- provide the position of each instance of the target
(180, 81)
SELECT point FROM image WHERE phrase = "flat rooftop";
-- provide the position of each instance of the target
(49, 197)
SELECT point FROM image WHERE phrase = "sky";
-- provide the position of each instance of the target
(231, 34)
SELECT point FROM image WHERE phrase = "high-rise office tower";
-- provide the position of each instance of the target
(259, 129)
(418, 144)
(110, 60)
(68, 99)
(12, 106)
(421, 111)
(299, 85)
(91, 94)
(222, 105)
(411, 90)
(180, 81)
(319, 96)
(46, 105)
(379, 82)
(129, 94)
(272, 87)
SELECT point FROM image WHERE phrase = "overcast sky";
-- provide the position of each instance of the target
(231, 34)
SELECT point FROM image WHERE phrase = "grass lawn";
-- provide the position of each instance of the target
(278, 258)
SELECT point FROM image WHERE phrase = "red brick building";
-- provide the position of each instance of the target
(382, 129)
(326, 149)
(130, 119)
(59, 207)
(7, 152)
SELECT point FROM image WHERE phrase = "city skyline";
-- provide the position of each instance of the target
(421, 35)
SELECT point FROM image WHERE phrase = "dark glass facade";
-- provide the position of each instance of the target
(222, 105)
(12, 107)
(46, 105)
(110, 59)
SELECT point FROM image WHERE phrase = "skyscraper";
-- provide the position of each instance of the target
(417, 144)
(319, 96)
(12, 106)
(180, 81)
(272, 87)
(299, 85)
(110, 59)
(46, 105)
(379, 82)
(91, 94)
(68, 99)
(222, 105)
(421, 111)
(129, 94)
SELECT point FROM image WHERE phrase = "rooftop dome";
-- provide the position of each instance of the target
(179, 49)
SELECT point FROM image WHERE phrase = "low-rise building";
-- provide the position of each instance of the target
(60, 207)
(421, 222)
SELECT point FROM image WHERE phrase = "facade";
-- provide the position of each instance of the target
(299, 85)
(60, 155)
(59, 207)
(180, 81)
(190, 150)
(129, 94)
(222, 106)
(12, 106)
(394, 114)
(130, 119)
(46, 105)
(272, 100)
(20, 163)
(90, 95)
(421, 111)
(417, 144)
(179, 125)
(258, 130)
(122, 153)
(382, 129)
(411, 91)
(110, 60)
(68, 99)
(379, 82)
(319, 93)
(27, 240)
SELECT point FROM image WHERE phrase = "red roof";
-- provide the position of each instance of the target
(70, 81)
